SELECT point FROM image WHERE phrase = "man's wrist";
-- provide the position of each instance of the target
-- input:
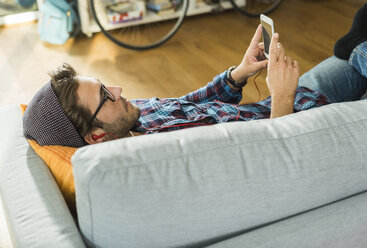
(237, 82)
(282, 98)
(281, 106)
(238, 75)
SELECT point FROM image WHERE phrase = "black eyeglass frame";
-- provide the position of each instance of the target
(107, 95)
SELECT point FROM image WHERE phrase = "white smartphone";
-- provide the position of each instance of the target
(267, 32)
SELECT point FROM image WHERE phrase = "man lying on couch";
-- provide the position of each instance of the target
(73, 110)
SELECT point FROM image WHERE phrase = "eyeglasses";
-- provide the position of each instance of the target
(107, 95)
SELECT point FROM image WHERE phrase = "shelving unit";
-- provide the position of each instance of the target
(89, 26)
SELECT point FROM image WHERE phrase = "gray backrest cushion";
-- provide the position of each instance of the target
(196, 186)
(36, 213)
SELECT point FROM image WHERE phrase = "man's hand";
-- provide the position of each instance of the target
(282, 79)
(253, 61)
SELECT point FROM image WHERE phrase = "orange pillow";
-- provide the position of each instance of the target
(58, 160)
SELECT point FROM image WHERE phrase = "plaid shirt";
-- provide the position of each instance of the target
(214, 103)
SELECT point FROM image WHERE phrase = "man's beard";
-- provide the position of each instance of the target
(121, 127)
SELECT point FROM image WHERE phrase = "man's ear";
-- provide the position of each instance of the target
(92, 137)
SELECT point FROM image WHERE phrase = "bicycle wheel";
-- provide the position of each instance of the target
(254, 8)
(139, 24)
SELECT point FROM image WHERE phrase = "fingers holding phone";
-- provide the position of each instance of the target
(253, 60)
(283, 71)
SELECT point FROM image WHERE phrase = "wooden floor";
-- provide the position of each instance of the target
(205, 46)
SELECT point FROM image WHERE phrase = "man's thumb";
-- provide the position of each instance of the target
(262, 64)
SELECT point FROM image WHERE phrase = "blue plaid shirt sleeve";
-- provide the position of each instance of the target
(217, 90)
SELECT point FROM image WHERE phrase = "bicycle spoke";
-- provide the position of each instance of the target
(254, 8)
(145, 33)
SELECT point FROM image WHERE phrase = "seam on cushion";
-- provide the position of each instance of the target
(235, 145)
(91, 241)
(91, 209)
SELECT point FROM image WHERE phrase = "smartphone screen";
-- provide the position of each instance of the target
(267, 34)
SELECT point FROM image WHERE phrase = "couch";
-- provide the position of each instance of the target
(295, 181)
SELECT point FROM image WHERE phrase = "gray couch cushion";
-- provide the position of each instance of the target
(196, 186)
(36, 212)
(338, 225)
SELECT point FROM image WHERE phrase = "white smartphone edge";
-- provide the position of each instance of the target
(268, 20)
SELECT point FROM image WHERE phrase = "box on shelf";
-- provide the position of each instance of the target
(125, 11)
(162, 7)
(159, 7)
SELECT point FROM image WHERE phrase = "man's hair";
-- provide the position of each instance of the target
(65, 84)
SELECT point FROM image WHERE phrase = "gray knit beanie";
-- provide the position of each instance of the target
(46, 122)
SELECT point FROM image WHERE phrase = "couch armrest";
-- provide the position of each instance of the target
(36, 213)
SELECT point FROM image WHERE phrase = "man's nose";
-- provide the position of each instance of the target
(116, 91)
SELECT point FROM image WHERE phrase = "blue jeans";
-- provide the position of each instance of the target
(339, 80)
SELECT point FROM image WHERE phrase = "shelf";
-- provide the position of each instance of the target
(89, 26)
